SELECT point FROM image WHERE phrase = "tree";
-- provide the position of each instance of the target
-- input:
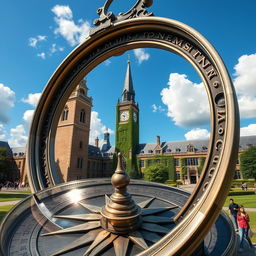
(156, 173)
(4, 164)
(248, 163)
(201, 161)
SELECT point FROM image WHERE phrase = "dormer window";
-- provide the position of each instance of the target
(158, 151)
(150, 151)
(190, 148)
(178, 150)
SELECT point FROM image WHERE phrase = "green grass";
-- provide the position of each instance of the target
(16, 191)
(12, 197)
(4, 210)
(248, 201)
(253, 224)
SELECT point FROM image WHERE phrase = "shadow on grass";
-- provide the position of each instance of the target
(10, 197)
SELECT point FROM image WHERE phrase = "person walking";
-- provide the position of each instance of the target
(243, 224)
(233, 210)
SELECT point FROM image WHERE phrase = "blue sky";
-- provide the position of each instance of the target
(37, 35)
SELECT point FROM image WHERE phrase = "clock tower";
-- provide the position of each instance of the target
(127, 125)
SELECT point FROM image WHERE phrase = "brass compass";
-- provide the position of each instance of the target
(195, 215)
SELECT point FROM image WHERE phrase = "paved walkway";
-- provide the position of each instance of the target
(9, 202)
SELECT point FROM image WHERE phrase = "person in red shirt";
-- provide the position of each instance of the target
(243, 225)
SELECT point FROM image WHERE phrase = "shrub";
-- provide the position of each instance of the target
(156, 173)
(240, 193)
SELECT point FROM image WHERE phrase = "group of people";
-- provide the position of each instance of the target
(240, 219)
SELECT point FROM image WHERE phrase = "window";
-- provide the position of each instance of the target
(168, 150)
(177, 150)
(19, 164)
(237, 175)
(64, 114)
(150, 162)
(142, 163)
(176, 162)
(158, 161)
(80, 144)
(158, 151)
(150, 151)
(82, 91)
(142, 152)
(177, 175)
(191, 161)
(82, 116)
(190, 148)
(79, 163)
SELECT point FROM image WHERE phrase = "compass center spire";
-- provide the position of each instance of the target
(120, 215)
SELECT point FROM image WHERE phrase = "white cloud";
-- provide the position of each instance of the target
(245, 84)
(33, 41)
(66, 27)
(28, 116)
(54, 48)
(7, 99)
(18, 137)
(141, 55)
(62, 11)
(248, 130)
(156, 108)
(107, 62)
(186, 101)
(32, 99)
(247, 106)
(41, 55)
(2, 132)
(245, 72)
(97, 129)
(197, 134)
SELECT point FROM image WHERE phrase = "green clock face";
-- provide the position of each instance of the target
(124, 116)
(135, 116)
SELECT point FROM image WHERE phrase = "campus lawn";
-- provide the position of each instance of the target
(4, 210)
(253, 224)
(248, 201)
(12, 197)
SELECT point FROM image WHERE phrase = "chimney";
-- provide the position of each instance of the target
(97, 142)
(158, 140)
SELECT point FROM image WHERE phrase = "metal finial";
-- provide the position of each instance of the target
(129, 59)
(120, 214)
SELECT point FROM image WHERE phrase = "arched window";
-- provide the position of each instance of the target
(82, 91)
(82, 116)
(64, 114)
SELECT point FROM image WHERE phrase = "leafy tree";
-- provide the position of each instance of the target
(248, 163)
(201, 161)
(4, 164)
(156, 173)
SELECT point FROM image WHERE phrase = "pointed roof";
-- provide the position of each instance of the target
(128, 91)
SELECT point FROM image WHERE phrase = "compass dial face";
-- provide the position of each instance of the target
(75, 227)
(124, 116)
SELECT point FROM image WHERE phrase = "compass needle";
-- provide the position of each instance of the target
(138, 239)
(156, 210)
(100, 237)
(121, 245)
(91, 208)
(146, 203)
(89, 216)
(83, 240)
(79, 228)
(103, 245)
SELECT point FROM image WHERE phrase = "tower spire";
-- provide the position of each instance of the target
(128, 91)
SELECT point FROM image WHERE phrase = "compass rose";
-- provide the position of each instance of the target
(119, 222)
